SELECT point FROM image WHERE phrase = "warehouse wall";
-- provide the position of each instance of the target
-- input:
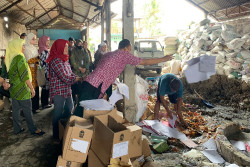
(242, 26)
(8, 34)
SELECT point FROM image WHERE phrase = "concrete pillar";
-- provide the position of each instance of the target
(87, 34)
(108, 22)
(129, 72)
(102, 25)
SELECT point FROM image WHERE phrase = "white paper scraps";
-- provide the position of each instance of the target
(210, 144)
(96, 104)
(193, 61)
(172, 121)
(193, 74)
(145, 129)
(167, 131)
(189, 143)
(213, 156)
(207, 63)
(123, 89)
(232, 165)
(120, 149)
(115, 97)
(150, 122)
(238, 144)
(80, 145)
(1, 123)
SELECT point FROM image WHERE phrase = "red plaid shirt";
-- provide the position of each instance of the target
(110, 67)
(61, 78)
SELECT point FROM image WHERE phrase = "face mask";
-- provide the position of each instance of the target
(79, 47)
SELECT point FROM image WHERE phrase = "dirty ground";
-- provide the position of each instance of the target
(26, 150)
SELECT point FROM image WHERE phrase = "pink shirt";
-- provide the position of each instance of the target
(110, 67)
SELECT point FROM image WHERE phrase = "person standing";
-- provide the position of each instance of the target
(21, 89)
(31, 55)
(172, 86)
(61, 79)
(80, 65)
(43, 51)
(99, 53)
(108, 69)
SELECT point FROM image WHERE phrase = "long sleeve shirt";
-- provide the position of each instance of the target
(61, 78)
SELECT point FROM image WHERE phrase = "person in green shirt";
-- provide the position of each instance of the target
(80, 63)
(21, 89)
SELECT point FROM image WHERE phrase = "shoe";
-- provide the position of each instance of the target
(22, 130)
(47, 106)
(34, 111)
(39, 133)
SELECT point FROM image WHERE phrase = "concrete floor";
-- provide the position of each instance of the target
(26, 150)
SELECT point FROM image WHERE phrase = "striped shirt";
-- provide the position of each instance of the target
(61, 78)
(18, 75)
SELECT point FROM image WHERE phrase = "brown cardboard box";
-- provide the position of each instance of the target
(63, 163)
(77, 138)
(110, 140)
(93, 160)
(88, 114)
(146, 151)
(62, 125)
(135, 142)
(1, 105)
(117, 163)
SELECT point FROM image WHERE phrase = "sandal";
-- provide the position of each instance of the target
(39, 133)
(22, 130)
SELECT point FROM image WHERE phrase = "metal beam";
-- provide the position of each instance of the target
(193, 3)
(24, 11)
(10, 6)
(74, 12)
(91, 3)
(32, 21)
(43, 8)
(47, 23)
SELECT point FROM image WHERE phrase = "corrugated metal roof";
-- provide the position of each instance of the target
(59, 14)
(223, 10)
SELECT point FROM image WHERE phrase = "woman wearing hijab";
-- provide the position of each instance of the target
(43, 51)
(61, 79)
(21, 89)
(31, 55)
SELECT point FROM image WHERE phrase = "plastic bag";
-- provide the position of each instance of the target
(141, 96)
(235, 44)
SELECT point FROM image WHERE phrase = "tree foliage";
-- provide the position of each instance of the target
(152, 18)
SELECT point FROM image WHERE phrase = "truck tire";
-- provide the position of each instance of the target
(158, 71)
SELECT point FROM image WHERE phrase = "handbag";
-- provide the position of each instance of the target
(40, 76)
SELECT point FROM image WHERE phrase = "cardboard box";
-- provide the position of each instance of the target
(77, 138)
(135, 142)
(110, 140)
(146, 151)
(63, 163)
(93, 160)
(1, 105)
(62, 123)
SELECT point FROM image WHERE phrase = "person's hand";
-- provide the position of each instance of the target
(6, 85)
(168, 57)
(78, 79)
(33, 93)
(82, 69)
(170, 115)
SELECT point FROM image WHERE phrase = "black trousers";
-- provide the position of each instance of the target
(44, 97)
(35, 100)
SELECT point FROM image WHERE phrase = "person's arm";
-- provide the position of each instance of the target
(155, 60)
(165, 105)
(178, 111)
(33, 93)
(5, 84)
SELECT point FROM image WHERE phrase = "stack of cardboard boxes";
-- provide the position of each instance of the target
(109, 142)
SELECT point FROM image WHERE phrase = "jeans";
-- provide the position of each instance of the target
(35, 100)
(44, 97)
(62, 110)
(26, 106)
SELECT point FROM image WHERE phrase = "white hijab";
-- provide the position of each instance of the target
(30, 50)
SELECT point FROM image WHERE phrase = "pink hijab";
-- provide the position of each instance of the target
(42, 44)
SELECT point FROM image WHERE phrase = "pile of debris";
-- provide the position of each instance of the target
(216, 39)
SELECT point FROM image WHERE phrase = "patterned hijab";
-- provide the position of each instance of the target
(57, 50)
(30, 50)
(14, 48)
(42, 44)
